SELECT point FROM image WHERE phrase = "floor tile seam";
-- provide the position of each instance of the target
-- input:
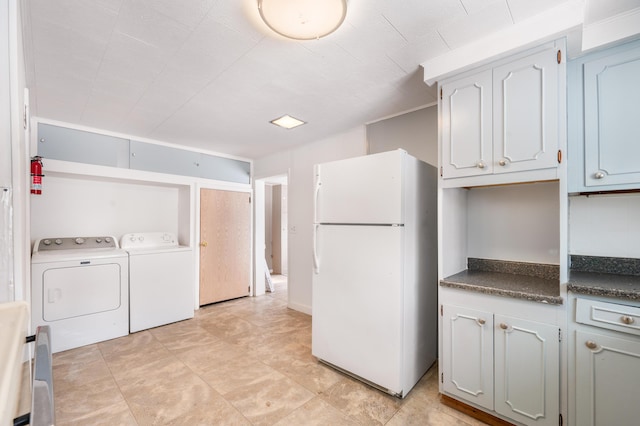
(346, 377)
(289, 412)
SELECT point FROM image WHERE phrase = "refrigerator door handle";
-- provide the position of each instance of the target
(316, 260)
(315, 198)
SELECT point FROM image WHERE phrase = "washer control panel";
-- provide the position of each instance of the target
(70, 243)
(146, 240)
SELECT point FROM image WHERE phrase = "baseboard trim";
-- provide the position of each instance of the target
(473, 412)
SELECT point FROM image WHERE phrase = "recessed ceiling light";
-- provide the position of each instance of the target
(287, 121)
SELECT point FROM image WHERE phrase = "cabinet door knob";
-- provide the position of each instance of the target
(204, 244)
(480, 165)
(591, 344)
(481, 321)
(503, 326)
(627, 319)
(599, 175)
(503, 162)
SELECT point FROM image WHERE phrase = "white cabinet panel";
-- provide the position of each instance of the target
(608, 373)
(527, 371)
(226, 169)
(507, 365)
(612, 127)
(467, 352)
(503, 119)
(61, 143)
(466, 126)
(525, 113)
(164, 159)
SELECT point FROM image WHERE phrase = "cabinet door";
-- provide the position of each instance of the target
(607, 377)
(163, 159)
(466, 126)
(611, 124)
(61, 143)
(527, 371)
(467, 352)
(221, 168)
(525, 113)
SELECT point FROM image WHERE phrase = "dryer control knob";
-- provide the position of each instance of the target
(107, 240)
(79, 240)
(98, 240)
(58, 241)
(133, 238)
(47, 242)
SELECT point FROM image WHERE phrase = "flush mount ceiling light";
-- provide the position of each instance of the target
(303, 19)
(287, 121)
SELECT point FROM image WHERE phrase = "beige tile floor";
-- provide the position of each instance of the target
(242, 362)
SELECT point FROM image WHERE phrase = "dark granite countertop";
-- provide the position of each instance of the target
(605, 276)
(528, 281)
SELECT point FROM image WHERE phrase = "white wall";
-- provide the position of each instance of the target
(605, 225)
(79, 206)
(299, 163)
(515, 222)
(416, 132)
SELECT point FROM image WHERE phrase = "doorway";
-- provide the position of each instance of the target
(271, 227)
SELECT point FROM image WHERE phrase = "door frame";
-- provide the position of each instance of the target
(259, 287)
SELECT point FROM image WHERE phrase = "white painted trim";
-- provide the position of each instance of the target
(549, 25)
(615, 28)
(418, 108)
(305, 309)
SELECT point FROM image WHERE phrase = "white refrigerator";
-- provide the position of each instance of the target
(374, 299)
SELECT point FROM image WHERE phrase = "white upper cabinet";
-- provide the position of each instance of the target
(525, 113)
(611, 120)
(503, 119)
(604, 125)
(467, 148)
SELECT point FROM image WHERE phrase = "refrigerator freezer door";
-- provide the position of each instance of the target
(360, 190)
(357, 309)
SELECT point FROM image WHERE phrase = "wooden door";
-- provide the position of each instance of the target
(225, 245)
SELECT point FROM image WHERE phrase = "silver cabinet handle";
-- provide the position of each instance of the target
(503, 326)
(503, 162)
(599, 175)
(480, 165)
(627, 319)
(591, 344)
(481, 321)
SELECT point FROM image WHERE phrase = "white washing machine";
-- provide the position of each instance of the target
(161, 280)
(80, 288)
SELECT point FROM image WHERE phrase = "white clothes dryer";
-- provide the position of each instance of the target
(161, 280)
(80, 288)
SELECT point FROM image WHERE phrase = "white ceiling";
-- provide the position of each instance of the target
(210, 75)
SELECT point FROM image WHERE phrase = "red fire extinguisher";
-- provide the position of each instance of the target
(36, 175)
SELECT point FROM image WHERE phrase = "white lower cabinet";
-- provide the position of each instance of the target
(501, 363)
(606, 363)
(607, 380)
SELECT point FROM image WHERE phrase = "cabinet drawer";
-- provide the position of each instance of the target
(608, 315)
